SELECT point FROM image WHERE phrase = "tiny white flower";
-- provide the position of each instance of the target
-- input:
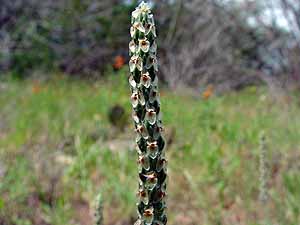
(132, 31)
(161, 164)
(148, 215)
(134, 99)
(151, 180)
(132, 46)
(132, 82)
(152, 61)
(144, 45)
(142, 131)
(145, 79)
(144, 7)
(150, 29)
(143, 162)
(135, 117)
(135, 62)
(151, 116)
(137, 26)
(136, 13)
(152, 148)
(143, 195)
(132, 63)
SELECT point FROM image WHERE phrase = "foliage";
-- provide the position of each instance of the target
(214, 169)
(210, 42)
(70, 35)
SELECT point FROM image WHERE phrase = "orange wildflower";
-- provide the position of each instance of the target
(36, 87)
(208, 92)
(119, 62)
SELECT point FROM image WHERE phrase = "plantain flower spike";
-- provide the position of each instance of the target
(99, 210)
(146, 116)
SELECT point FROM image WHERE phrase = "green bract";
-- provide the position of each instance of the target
(146, 115)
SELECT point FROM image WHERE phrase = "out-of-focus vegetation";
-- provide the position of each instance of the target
(58, 150)
(71, 35)
(231, 44)
(60, 144)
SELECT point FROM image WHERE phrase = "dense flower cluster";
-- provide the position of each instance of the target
(146, 115)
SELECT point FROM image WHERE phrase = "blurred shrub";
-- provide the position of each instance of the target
(213, 42)
(71, 35)
(201, 41)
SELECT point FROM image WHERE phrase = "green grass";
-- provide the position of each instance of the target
(58, 150)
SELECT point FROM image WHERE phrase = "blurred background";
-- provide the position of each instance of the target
(229, 70)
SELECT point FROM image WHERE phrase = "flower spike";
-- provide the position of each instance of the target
(145, 102)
